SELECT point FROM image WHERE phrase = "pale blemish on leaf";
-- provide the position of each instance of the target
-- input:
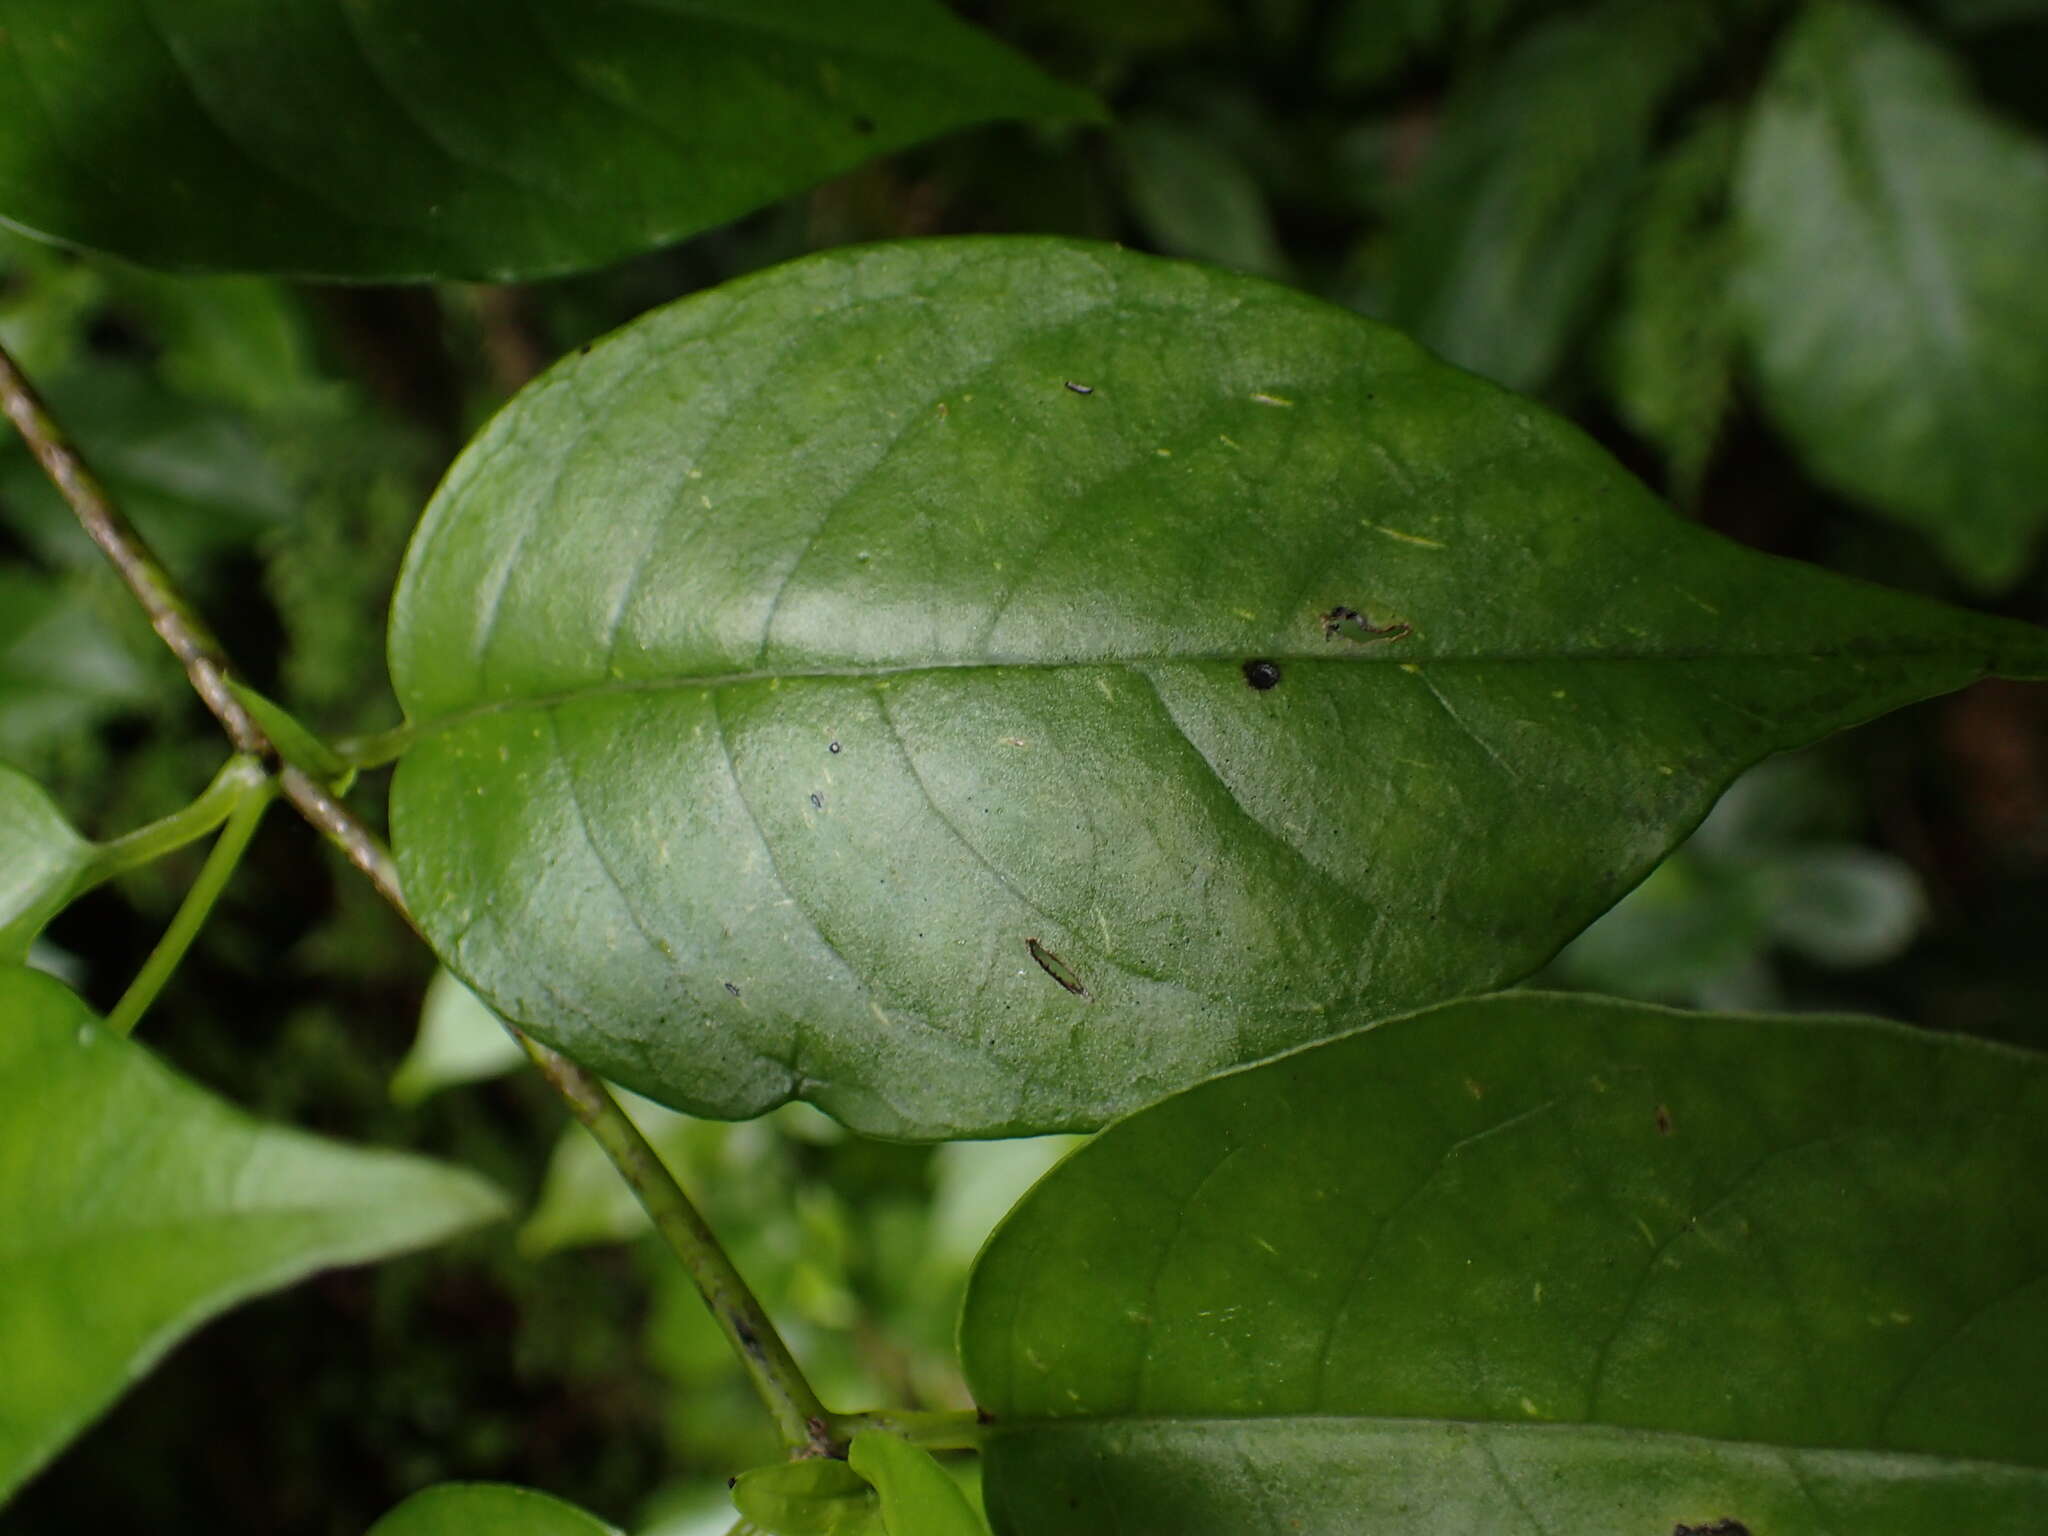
(1406, 538)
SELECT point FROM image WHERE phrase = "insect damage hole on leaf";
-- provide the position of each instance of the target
(1056, 968)
(1354, 625)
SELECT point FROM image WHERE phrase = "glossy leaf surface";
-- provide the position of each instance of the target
(481, 141)
(487, 1509)
(1539, 1263)
(41, 862)
(134, 1206)
(1889, 282)
(819, 695)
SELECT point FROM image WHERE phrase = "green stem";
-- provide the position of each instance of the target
(934, 1431)
(805, 1426)
(238, 776)
(192, 912)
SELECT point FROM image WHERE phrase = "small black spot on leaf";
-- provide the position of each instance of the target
(863, 125)
(735, 991)
(1081, 389)
(833, 748)
(1663, 1121)
(1712, 1528)
(1261, 674)
(817, 801)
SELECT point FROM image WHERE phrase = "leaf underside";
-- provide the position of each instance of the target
(984, 685)
(134, 1206)
(1538, 1264)
(482, 140)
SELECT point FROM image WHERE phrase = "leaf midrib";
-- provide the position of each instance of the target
(1001, 1425)
(1381, 654)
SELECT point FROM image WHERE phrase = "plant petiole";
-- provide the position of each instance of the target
(376, 749)
(933, 1431)
(193, 911)
(240, 776)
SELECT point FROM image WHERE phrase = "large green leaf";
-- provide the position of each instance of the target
(1889, 283)
(814, 688)
(1500, 253)
(460, 138)
(42, 859)
(134, 1206)
(1539, 1263)
(487, 1509)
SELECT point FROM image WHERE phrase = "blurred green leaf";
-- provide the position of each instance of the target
(134, 1206)
(238, 342)
(1504, 242)
(583, 1200)
(1889, 285)
(1672, 342)
(63, 671)
(1196, 199)
(1538, 1262)
(194, 478)
(487, 1509)
(1135, 25)
(1372, 40)
(41, 859)
(46, 298)
(481, 142)
(459, 1041)
(1767, 869)
(1845, 906)
(917, 1497)
(1274, 673)
(1976, 15)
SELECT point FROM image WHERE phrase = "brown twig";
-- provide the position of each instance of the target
(178, 623)
(806, 1427)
